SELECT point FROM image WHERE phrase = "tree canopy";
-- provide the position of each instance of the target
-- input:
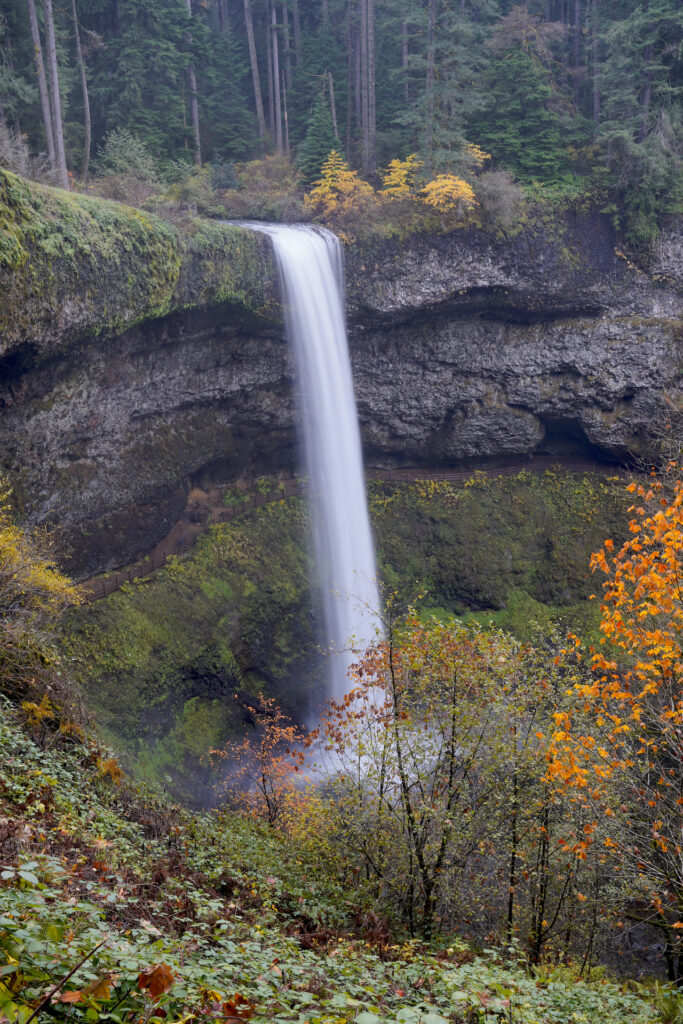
(558, 93)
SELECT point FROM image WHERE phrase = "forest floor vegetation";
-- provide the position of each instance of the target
(170, 916)
(446, 863)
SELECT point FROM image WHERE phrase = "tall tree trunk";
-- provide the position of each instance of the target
(429, 84)
(326, 13)
(596, 62)
(647, 93)
(577, 33)
(349, 77)
(255, 76)
(298, 50)
(56, 101)
(192, 87)
(287, 41)
(404, 62)
(372, 104)
(84, 89)
(576, 55)
(333, 106)
(276, 79)
(15, 117)
(42, 83)
(364, 95)
(284, 112)
(357, 77)
(269, 63)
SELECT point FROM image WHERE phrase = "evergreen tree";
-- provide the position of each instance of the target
(229, 127)
(447, 79)
(319, 142)
(138, 78)
(535, 83)
(642, 111)
(517, 127)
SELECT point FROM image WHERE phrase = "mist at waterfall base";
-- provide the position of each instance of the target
(311, 273)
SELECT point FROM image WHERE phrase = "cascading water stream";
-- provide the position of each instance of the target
(311, 273)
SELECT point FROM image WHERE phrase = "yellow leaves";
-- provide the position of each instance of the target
(109, 767)
(447, 192)
(33, 593)
(339, 189)
(476, 155)
(399, 179)
(30, 583)
(36, 714)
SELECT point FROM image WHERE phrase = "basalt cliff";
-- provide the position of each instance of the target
(138, 360)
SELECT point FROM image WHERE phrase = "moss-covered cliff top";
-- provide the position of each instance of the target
(73, 266)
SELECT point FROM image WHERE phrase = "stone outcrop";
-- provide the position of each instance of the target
(140, 359)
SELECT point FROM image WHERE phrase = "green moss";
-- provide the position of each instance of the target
(469, 548)
(86, 266)
(162, 658)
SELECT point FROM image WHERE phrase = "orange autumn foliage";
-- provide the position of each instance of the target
(642, 619)
(621, 748)
(261, 769)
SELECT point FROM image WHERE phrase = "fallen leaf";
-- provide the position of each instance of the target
(157, 980)
(75, 995)
(238, 1007)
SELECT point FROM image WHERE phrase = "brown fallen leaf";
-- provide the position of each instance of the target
(98, 990)
(238, 1007)
(101, 989)
(156, 979)
(75, 995)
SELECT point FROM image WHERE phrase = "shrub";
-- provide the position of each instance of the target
(33, 594)
(127, 171)
(448, 193)
(400, 178)
(266, 190)
(193, 189)
(500, 199)
(340, 195)
(223, 174)
(15, 156)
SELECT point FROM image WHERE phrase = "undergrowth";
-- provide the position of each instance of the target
(117, 905)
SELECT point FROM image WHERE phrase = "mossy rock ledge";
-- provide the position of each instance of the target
(74, 267)
(140, 361)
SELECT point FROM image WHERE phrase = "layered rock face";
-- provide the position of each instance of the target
(468, 347)
(464, 346)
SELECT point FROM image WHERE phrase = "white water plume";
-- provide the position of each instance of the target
(311, 273)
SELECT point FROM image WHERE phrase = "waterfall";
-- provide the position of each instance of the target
(310, 264)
